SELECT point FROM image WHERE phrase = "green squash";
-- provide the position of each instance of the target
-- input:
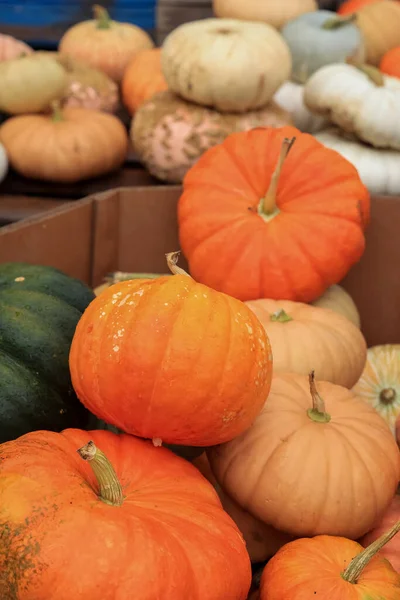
(39, 310)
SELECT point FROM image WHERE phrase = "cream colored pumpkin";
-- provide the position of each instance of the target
(357, 102)
(231, 65)
(337, 299)
(379, 384)
(169, 134)
(3, 163)
(379, 169)
(290, 96)
(306, 338)
(30, 83)
(274, 12)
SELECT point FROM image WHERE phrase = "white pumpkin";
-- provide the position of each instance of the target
(317, 39)
(227, 64)
(378, 169)
(3, 163)
(290, 96)
(361, 100)
(274, 12)
(337, 299)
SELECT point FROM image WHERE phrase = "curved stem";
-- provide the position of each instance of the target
(371, 72)
(109, 485)
(358, 564)
(280, 316)
(56, 111)
(268, 203)
(336, 22)
(172, 262)
(102, 17)
(317, 413)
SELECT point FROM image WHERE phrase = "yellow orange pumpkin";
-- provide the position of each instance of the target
(142, 79)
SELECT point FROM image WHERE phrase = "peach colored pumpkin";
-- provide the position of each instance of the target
(10, 47)
(305, 338)
(379, 23)
(142, 79)
(274, 12)
(262, 540)
(317, 460)
(169, 134)
(392, 550)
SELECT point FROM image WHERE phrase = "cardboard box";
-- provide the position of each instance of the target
(131, 229)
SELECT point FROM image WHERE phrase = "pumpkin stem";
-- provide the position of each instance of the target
(102, 17)
(109, 485)
(388, 396)
(56, 111)
(371, 72)
(172, 262)
(358, 564)
(280, 316)
(317, 413)
(337, 22)
(268, 203)
(118, 276)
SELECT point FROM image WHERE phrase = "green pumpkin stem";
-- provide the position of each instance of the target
(118, 276)
(337, 22)
(268, 203)
(102, 17)
(371, 72)
(172, 262)
(280, 316)
(109, 486)
(317, 413)
(358, 564)
(56, 111)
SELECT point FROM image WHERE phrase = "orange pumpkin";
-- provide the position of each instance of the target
(255, 221)
(142, 79)
(379, 23)
(171, 359)
(105, 44)
(390, 63)
(351, 6)
(131, 513)
(392, 550)
(314, 461)
(10, 47)
(397, 431)
(262, 540)
(305, 337)
(331, 568)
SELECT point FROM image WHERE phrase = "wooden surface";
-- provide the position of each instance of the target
(15, 208)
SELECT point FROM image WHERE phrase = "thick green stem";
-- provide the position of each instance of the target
(268, 203)
(102, 17)
(172, 262)
(336, 22)
(317, 413)
(371, 72)
(56, 112)
(358, 564)
(109, 486)
(280, 316)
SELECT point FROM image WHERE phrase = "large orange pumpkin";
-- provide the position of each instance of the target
(142, 79)
(314, 461)
(258, 221)
(305, 338)
(262, 540)
(392, 550)
(171, 359)
(390, 63)
(133, 517)
(331, 568)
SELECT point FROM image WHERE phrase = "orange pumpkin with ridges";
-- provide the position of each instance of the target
(171, 359)
(131, 515)
(258, 221)
(142, 79)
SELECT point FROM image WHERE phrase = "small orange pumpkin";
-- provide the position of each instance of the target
(390, 63)
(142, 79)
(262, 540)
(256, 222)
(171, 359)
(313, 462)
(351, 6)
(331, 568)
(392, 550)
(305, 337)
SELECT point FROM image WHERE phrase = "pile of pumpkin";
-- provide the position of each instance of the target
(252, 366)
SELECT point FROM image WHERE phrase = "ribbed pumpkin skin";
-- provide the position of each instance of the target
(170, 538)
(392, 550)
(169, 358)
(297, 254)
(38, 316)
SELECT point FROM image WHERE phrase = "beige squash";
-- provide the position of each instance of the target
(379, 23)
(290, 96)
(379, 384)
(274, 12)
(306, 338)
(360, 100)
(337, 299)
(227, 64)
(169, 134)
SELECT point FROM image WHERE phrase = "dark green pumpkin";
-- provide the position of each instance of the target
(39, 310)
